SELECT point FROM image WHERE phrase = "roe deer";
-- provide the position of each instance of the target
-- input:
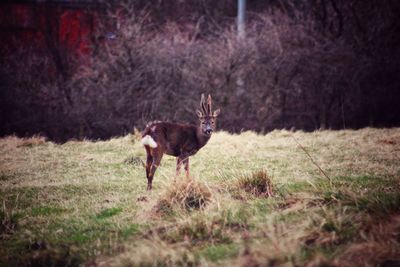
(179, 140)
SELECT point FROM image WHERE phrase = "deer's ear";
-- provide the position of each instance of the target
(198, 112)
(216, 112)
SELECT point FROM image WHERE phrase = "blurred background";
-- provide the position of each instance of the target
(96, 69)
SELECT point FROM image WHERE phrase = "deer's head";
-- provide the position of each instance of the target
(207, 117)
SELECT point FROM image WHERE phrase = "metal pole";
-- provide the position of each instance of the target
(241, 23)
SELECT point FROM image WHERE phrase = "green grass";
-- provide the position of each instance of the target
(106, 213)
(86, 201)
(46, 211)
(217, 253)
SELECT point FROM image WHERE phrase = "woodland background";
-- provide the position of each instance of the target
(91, 69)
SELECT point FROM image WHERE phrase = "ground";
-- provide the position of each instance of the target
(334, 201)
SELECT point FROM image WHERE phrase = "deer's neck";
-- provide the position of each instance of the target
(202, 139)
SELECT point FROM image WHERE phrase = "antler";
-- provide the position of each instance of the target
(206, 107)
(209, 105)
(203, 105)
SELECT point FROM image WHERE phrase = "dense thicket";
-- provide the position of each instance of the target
(304, 64)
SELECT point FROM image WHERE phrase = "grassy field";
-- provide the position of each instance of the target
(84, 203)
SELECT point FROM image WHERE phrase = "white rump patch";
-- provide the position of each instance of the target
(149, 141)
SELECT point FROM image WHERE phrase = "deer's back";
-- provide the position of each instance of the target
(174, 138)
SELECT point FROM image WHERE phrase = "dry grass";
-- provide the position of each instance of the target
(11, 142)
(186, 194)
(8, 221)
(86, 202)
(378, 246)
(258, 184)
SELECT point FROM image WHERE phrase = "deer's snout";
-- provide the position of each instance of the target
(209, 130)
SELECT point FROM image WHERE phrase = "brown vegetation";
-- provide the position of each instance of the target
(185, 195)
(258, 184)
(307, 64)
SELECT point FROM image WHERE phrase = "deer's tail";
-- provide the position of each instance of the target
(147, 140)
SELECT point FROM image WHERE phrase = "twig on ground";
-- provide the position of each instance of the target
(312, 160)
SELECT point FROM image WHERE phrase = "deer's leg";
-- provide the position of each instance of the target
(149, 161)
(186, 163)
(157, 156)
(178, 166)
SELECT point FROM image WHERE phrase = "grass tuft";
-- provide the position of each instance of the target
(186, 195)
(8, 221)
(257, 184)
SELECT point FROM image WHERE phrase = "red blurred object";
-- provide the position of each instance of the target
(68, 24)
(74, 31)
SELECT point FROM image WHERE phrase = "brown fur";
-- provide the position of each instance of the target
(179, 140)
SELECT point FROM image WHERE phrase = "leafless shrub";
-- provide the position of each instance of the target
(309, 66)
